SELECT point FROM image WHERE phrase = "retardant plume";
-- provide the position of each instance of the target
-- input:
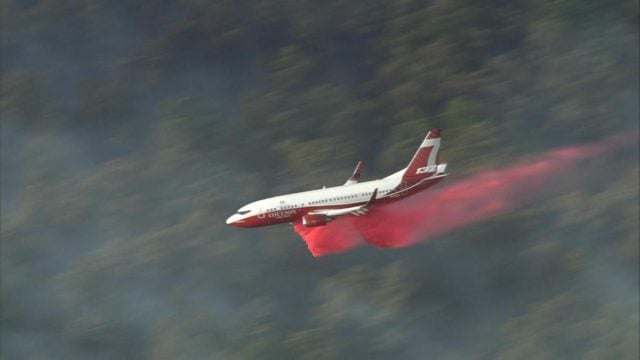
(434, 212)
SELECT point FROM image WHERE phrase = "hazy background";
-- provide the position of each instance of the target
(132, 129)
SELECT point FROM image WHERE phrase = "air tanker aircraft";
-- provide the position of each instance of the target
(319, 207)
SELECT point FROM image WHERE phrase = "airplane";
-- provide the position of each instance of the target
(319, 207)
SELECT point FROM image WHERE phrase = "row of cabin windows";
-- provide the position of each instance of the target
(327, 200)
(345, 197)
(284, 207)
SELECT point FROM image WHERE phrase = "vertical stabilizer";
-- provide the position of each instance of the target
(425, 163)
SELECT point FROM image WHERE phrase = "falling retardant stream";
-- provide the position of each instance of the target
(439, 210)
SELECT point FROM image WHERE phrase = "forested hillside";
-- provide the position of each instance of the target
(131, 129)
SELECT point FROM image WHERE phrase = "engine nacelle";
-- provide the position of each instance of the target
(315, 220)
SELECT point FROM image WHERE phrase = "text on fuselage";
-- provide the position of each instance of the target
(281, 214)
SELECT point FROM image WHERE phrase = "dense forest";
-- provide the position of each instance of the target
(131, 129)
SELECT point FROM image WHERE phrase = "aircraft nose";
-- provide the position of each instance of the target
(233, 218)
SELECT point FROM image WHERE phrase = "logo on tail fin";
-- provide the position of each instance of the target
(427, 169)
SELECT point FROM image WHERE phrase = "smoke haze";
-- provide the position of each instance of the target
(130, 130)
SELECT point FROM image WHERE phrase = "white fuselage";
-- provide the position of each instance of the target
(284, 206)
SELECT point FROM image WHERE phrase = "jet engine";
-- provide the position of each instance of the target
(315, 220)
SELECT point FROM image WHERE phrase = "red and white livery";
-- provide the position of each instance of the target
(318, 207)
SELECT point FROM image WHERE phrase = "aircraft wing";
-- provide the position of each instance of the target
(355, 177)
(354, 210)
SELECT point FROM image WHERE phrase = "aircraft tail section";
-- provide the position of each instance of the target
(425, 162)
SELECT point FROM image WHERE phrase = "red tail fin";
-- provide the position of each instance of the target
(425, 161)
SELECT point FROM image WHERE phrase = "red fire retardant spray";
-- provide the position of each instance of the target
(423, 216)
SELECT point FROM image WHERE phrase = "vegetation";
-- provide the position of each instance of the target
(132, 129)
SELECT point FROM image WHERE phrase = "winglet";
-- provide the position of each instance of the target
(373, 197)
(355, 177)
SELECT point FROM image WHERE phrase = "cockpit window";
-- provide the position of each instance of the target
(242, 212)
